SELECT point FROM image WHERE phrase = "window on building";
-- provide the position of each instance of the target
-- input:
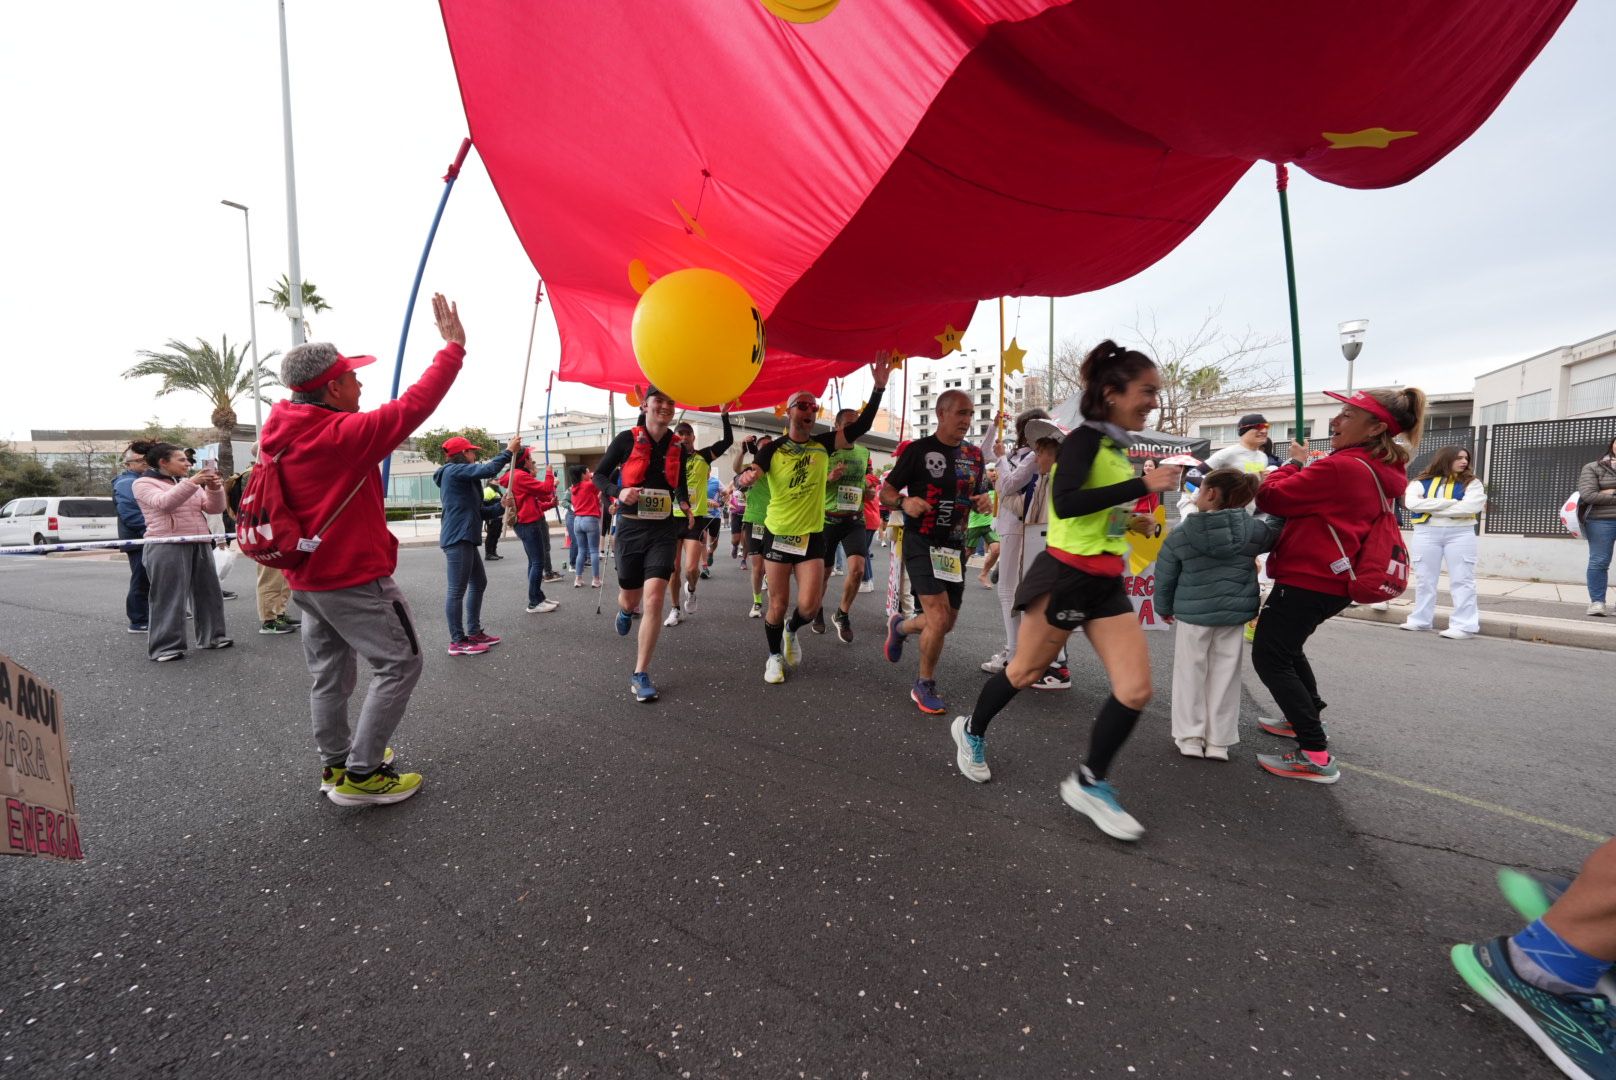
(986, 383)
(1532, 406)
(1445, 421)
(1497, 413)
(1220, 433)
(1592, 395)
(985, 414)
(1282, 434)
(983, 399)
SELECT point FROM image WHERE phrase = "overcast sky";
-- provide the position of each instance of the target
(137, 119)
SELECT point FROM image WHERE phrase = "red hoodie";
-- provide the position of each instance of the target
(1337, 491)
(327, 452)
(534, 498)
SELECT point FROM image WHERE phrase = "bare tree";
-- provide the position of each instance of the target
(1211, 371)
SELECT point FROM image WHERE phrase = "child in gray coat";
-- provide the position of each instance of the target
(1206, 580)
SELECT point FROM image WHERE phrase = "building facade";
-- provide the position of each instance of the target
(1565, 383)
(967, 372)
(1442, 411)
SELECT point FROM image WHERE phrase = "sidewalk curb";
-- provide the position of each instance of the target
(1534, 628)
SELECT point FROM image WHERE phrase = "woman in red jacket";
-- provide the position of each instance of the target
(533, 498)
(1310, 572)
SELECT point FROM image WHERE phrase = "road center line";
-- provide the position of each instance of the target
(1479, 804)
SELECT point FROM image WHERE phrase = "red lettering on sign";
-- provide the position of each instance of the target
(14, 830)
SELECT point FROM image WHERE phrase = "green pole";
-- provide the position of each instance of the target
(1282, 181)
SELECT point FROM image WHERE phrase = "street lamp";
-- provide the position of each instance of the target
(252, 319)
(1352, 335)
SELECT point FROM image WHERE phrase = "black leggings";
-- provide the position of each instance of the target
(1288, 619)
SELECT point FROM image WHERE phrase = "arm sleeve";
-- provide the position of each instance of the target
(1414, 498)
(150, 491)
(737, 460)
(860, 427)
(1167, 567)
(1263, 536)
(369, 437)
(982, 485)
(616, 454)
(1012, 480)
(902, 472)
(1069, 497)
(722, 444)
(213, 500)
(1475, 499)
(487, 470)
(1588, 486)
(1291, 491)
(765, 454)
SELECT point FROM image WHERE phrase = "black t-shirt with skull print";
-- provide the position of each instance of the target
(946, 477)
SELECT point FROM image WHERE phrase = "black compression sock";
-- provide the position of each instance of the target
(774, 632)
(996, 694)
(1111, 729)
(798, 620)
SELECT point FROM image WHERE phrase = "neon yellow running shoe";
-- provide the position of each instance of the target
(385, 785)
(332, 775)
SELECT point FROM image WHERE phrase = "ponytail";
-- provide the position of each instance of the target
(1025, 418)
(1108, 366)
(1407, 407)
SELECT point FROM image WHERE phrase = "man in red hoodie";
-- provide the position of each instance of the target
(327, 451)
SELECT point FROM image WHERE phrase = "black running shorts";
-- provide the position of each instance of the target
(849, 534)
(814, 542)
(1075, 597)
(645, 550)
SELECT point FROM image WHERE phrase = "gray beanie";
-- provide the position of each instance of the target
(305, 362)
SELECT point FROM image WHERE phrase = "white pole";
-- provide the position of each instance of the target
(252, 320)
(294, 291)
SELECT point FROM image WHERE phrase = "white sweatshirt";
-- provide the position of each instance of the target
(1445, 513)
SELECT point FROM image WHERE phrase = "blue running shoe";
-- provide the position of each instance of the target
(1097, 800)
(625, 622)
(924, 695)
(1531, 894)
(1575, 1031)
(640, 683)
(894, 645)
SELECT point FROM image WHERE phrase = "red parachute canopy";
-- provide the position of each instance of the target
(869, 177)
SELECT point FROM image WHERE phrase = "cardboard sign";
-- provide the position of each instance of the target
(37, 816)
(1141, 577)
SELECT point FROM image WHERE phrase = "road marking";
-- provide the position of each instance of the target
(1479, 804)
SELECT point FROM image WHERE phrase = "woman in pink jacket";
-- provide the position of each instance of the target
(182, 575)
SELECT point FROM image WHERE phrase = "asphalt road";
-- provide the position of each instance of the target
(743, 879)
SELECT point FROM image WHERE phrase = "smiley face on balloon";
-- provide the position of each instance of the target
(698, 336)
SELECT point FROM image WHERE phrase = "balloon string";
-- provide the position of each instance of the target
(700, 195)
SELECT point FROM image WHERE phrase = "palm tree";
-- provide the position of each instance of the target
(280, 299)
(221, 375)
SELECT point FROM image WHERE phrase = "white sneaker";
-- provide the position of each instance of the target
(793, 651)
(1454, 634)
(756, 612)
(543, 607)
(866, 585)
(1217, 753)
(971, 753)
(690, 601)
(673, 619)
(1384, 605)
(1098, 802)
(1191, 747)
(1410, 624)
(995, 663)
(775, 670)
(1596, 609)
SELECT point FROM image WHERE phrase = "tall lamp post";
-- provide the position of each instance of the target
(1352, 335)
(294, 285)
(252, 319)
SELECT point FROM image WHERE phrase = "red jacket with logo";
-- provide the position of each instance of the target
(1335, 490)
(326, 453)
(534, 497)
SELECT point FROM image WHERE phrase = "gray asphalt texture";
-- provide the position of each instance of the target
(753, 880)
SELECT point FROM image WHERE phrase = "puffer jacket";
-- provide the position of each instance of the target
(1205, 574)
(1597, 490)
(175, 507)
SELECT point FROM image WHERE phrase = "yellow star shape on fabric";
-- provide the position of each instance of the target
(1377, 137)
(895, 359)
(950, 339)
(1011, 358)
(780, 409)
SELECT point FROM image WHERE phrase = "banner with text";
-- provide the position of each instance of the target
(35, 784)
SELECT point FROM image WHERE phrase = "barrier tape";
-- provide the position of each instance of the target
(112, 545)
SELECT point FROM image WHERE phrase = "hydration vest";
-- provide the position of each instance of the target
(639, 461)
(1089, 534)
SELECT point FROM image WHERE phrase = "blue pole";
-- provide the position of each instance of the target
(415, 287)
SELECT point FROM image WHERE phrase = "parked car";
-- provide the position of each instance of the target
(61, 519)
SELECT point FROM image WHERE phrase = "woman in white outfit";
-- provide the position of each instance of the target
(1016, 485)
(1444, 502)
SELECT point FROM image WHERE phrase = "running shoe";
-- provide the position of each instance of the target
(640, 683)
(995, 663)
(866, 585)
(818, 625)
(1577, 1032)
(543, 607)
(674, 618)
(331, 775)
(577, 583)
(222, 643)
(791, 648)
(385, 785)
(164, 658)
(775, 670)
(1057, 677)
(1282, 728)
(480, 638)
(756, 612)
(1529, 893)
(844, 627)
(551, 576)
(1453, 633)
(466, 648)
(924, 695)
(1250, 632)
(491, 557)
(1098, 802)
(895, 636)
(1295, 766)
(228, 595)
(274, 626)
(971, 751)
(624, 622)
(138, 628)
(706, 573)
(284, 621)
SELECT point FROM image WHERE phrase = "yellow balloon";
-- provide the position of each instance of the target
(698, 337)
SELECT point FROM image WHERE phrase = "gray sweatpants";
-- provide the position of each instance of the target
(182, 578)
(373, 621)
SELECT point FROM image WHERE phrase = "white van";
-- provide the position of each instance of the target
(59, 519)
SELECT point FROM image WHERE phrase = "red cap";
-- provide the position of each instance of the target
(336, 371)
(1370, 406)
(459, 445)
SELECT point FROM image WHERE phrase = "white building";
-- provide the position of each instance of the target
(1567, 382)
(969, 372)
(1442, 411)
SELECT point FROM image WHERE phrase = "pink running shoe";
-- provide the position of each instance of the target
(480, 638)
(466, 648)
